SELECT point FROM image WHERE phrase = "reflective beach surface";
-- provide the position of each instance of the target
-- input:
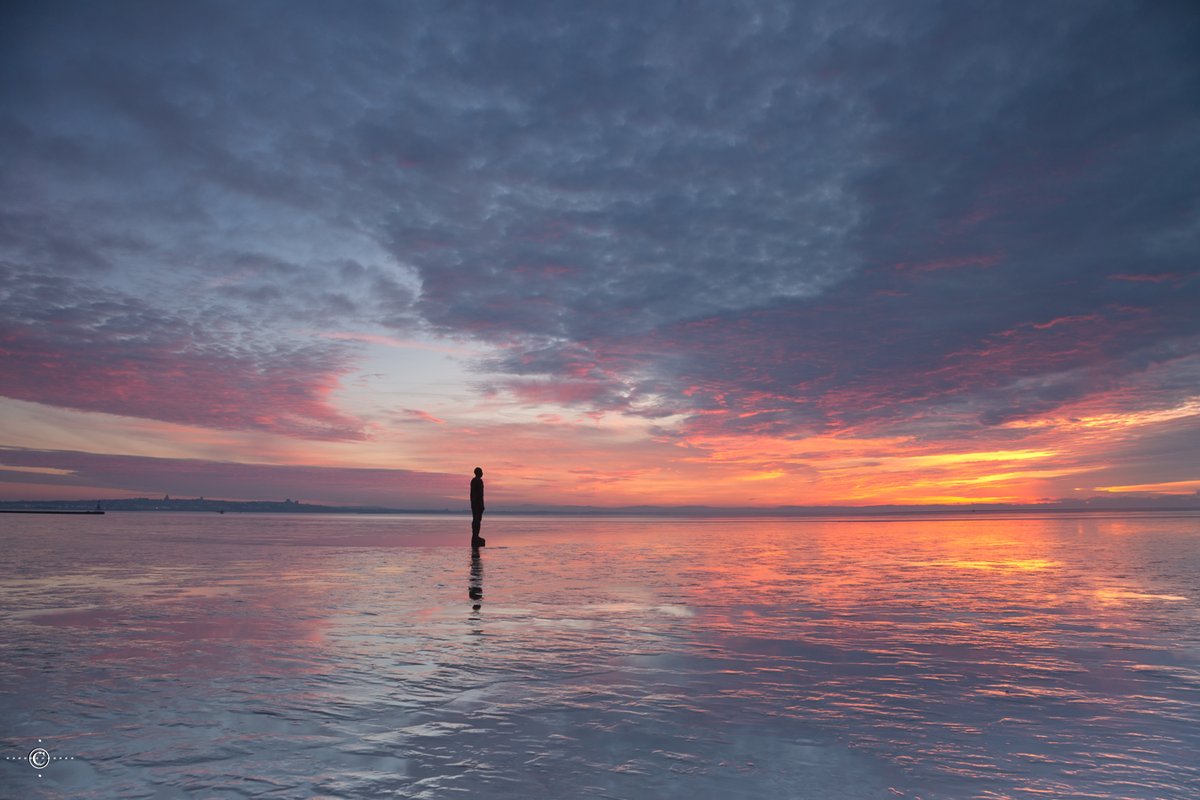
(175, 655)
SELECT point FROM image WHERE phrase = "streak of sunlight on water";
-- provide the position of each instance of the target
(183, 655)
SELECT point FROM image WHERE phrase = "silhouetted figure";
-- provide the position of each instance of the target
(475, 582)
(477, 508)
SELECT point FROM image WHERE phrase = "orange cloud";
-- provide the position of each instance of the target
(1168, 487)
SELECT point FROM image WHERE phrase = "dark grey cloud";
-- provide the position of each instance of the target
(822, 215)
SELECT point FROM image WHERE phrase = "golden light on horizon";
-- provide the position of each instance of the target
(953, 459)
(1168, 487)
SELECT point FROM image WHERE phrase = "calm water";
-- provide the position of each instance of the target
(291, 656)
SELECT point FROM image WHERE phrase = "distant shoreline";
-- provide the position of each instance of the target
(93, 512)
(1182, 504)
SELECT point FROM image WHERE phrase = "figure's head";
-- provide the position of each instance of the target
(479, 472)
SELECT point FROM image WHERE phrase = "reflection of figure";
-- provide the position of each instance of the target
(477, 508)
(475, 583)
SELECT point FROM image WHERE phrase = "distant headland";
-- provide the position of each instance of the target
(169, 503)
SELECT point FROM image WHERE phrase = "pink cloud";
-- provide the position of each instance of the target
(171, 376)
(1164, 277)
(1075, 318)
(424, 415)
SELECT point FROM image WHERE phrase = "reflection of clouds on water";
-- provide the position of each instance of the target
(1118, 596)
(667, 610)
(635, 658)
(1017, 565)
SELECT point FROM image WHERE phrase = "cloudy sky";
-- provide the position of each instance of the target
(615, 253)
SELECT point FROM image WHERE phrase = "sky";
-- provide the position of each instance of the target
(734, 254)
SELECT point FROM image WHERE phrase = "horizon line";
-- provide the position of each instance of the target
(1158, 503)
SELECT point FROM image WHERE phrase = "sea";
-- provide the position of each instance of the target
(941, 657)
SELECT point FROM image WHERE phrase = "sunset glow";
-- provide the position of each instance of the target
(832, 258)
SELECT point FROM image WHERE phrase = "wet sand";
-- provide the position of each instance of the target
(177, 655)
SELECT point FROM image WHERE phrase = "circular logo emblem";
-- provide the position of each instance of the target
(39, 758)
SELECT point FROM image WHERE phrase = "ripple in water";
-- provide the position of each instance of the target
(277, 656)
